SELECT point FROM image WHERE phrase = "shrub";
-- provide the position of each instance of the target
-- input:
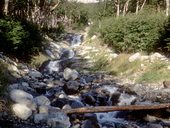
(133, 33)
(21, 39)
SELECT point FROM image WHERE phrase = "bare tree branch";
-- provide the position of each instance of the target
(115, 108)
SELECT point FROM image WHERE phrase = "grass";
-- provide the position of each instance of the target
(38, 60)
(4, 76)
(122, 68)
(155, 73)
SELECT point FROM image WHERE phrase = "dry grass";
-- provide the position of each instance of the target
(122, 68)
(38, 60)
(155, 72)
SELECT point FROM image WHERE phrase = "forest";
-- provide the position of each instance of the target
(72, 64)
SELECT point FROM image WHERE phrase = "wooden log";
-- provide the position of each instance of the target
(116, 108)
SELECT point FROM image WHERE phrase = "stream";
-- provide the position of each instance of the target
(38, 96)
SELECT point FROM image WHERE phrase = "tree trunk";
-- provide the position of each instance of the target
(143, 5)
(125, 8)
(2, 3)
(167, 7)
(6, 7)
(158, 7)
(137, 7)
(118, 8)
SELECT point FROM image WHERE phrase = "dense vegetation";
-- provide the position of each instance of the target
(142, 27)
(23, 24)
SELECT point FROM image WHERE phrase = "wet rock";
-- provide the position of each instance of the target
(41, 90)
(134, 57)
(126, 99)
(58, 120)
(76, 104)
(152, 125)
(21, 111)
(102, 100)
(59, 102)
(90, 124)
(59, 83)
(14, 68)
(71, 87)
(89, 99)
(49, 53)
(35, 74)
(40, 118)
(43, 109)
(70, 74)
(67, 53)
(115, 98)
(53, 66)
(42, 100)
(13, 86)
(76, 126)
(20, 96)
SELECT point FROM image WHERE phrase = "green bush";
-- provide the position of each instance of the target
(133, 33)
(20, 39)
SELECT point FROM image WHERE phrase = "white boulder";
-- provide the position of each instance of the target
(22, 111)
(134, 57)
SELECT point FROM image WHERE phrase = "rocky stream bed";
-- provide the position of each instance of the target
(38, 97)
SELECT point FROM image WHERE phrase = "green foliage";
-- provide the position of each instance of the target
(21, 39)
(164, 43)
(75, 12)
(133, 33)
(55, 33)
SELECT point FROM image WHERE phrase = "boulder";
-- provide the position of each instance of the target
(40, 118)
(134, 57)
(71, 87)
(67, 53)
(58, 120)
(35, 74)
(157, 56)
(50, 54)
(126, 99)
(42, 100)
(13, 86)
(21, 111)
(70, 74)
(53, 66)
(20, 96)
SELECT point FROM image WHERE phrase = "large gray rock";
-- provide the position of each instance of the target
(70, 74)
(58, 120)
(134, 57)
(71, 87)
(126, 99)
(42, 100)
(35, 74)
(67, 53)
(40, 118)
(20, 96)
(53, 66)
(22, 111)
(157, 56)
(50, 54)
(13, 86)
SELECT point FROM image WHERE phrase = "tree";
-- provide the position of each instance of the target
(167, 7)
